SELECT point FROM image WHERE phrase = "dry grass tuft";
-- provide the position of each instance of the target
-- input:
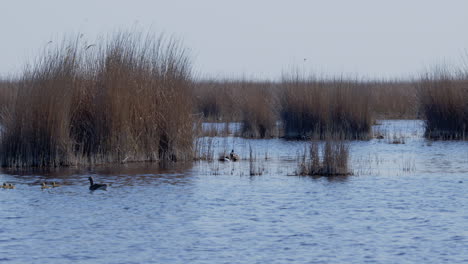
(331, 160)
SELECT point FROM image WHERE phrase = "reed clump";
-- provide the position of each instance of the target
(330, 160)
(444, 105)
(317, 108)
(127, 98)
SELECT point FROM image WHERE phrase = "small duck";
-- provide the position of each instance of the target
(233, 156)
(55, 185)
(11, 186)
(5, 185)
(44, 186)
(95, 186)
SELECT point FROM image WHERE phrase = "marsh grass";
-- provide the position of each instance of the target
(126, 98)
(330, 160)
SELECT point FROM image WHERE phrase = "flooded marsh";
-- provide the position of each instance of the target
(405, 202)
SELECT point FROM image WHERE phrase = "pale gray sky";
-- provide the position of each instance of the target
(257, 38)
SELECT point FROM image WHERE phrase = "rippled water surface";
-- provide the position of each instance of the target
(406, 203)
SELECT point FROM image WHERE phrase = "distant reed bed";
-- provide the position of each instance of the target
(127, 98)
(394, 99)
(260, 110)
(254, 104)
(443, 97)
(313, 108)
(218, 100)
(306, 108)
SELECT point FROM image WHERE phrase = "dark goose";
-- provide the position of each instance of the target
(95, 186)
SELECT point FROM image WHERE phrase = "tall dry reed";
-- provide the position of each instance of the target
(8, 92)
(124, 99)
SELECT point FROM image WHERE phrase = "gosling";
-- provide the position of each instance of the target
(55, 185)
(8, 186)
(95, 186)
(44, 186)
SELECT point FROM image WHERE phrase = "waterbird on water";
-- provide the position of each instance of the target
(95, 186)
(233, 156)
(54, 184)
(44, 186)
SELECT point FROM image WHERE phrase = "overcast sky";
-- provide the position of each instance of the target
(258, 38)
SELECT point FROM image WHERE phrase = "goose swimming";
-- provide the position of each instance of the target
(95, 186)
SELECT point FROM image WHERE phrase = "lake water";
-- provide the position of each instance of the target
(405, 203)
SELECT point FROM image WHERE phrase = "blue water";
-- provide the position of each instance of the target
(406, 203)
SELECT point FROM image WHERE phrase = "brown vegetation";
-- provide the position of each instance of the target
(444, 103)
(331, 160)
(218, 100)
(394, 99)
(307, 107)
(132, 98)
(8, 92)
(314, 109)
(252, 103)
(259, 110)
(125, 99)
